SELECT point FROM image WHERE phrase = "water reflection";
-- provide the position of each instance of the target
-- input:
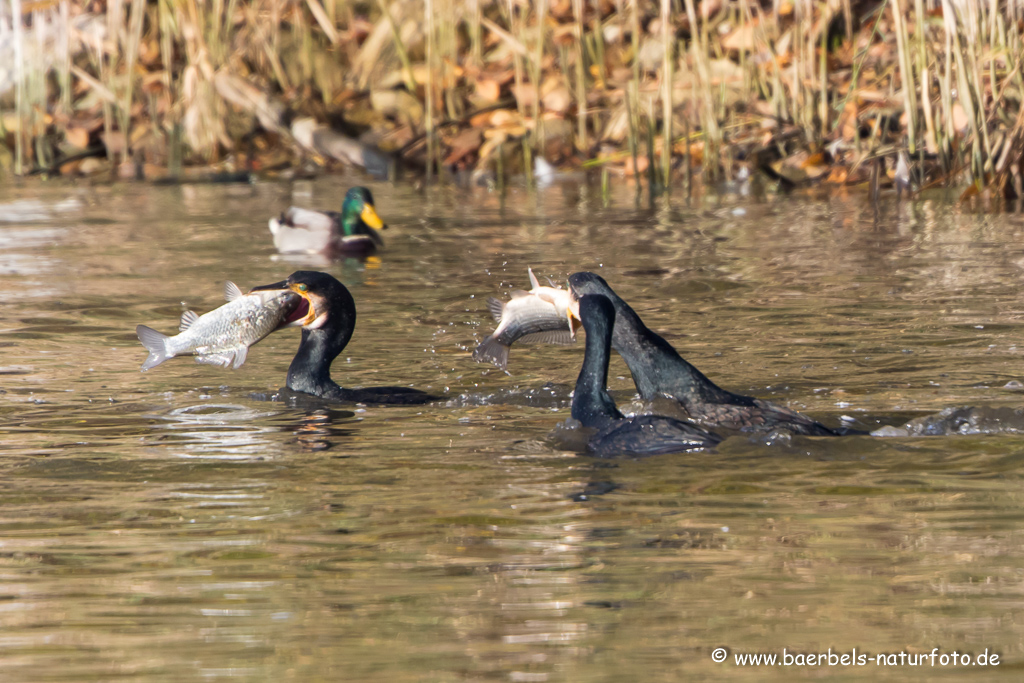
(175, 526)
(226, 431)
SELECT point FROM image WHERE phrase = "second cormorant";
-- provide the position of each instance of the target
(659, 370)
(595, 408)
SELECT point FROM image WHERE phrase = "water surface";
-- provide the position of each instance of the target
(182, 525)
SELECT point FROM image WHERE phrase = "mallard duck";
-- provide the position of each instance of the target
(595, 409)
(350, 232)
(659, 370)
(328, 317)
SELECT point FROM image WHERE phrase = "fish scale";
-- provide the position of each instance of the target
(223, 336)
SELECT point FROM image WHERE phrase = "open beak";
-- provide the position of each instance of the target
(305, 311)
(572, 314)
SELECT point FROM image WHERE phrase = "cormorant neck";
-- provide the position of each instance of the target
(310, 371)
(591, 403)
(656, 366)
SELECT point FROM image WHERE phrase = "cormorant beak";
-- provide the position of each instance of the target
(572, 314)
(304, 313)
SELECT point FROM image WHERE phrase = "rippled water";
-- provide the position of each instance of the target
(180, 525)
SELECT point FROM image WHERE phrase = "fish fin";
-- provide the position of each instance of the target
(551, 282)
(496, 308)
(240, 353)
(231, 291)
(533, 278)
(155, 343)
(517, 293)
(221, 360)
(188, 319)
(493, 351)
(562, 337)
(545, 295)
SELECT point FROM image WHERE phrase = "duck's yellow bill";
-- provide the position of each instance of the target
(370, 217)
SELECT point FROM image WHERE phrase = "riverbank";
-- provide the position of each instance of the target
(912, 94)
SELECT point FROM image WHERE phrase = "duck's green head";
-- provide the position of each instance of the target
(358, 214)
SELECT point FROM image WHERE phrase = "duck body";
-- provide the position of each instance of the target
(353, 231)
(658, 369)
(326, 330)
(594, 407)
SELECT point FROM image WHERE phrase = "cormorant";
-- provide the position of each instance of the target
(328, 317)
(658, 369)
(594, 407)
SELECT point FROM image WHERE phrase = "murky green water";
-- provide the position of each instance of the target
(171, 526)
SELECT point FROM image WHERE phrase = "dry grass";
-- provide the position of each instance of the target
(807, 91)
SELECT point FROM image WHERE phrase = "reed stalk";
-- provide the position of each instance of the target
(906, 72)
(581, 88)
(403, 55)
(428, 8)
(965, 75)
(537, 77)
(667, 36)
(19, 91)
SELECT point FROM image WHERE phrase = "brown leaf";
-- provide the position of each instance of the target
(525, 94)
(488, 90)
(114, 141)
(641, 166)
(837, 176)
(557, 99)
(77, 137)
(848, 125)
(961, 123)
(464, 143)
(504, 117)
(742, 39)
(399, 104)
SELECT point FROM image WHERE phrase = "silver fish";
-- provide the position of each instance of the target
(537, 316)
(223, 336)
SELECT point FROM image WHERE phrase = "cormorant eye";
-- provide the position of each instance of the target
(303, 288)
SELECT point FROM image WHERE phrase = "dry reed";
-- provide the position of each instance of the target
(187, 81)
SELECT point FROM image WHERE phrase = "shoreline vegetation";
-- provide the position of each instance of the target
(675, 94)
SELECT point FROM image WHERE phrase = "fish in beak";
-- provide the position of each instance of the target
(305, 313)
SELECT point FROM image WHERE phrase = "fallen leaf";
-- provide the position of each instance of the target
(399, 104)
(77, 137)
(488, 90)
(961, 123)
(557, 100)
(461, 145)
(741, 39)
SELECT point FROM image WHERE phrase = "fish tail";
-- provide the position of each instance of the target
(492, 350)
(155, 343)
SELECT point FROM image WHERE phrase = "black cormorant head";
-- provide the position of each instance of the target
(326, 302)
(584, 283)
(328, 317)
